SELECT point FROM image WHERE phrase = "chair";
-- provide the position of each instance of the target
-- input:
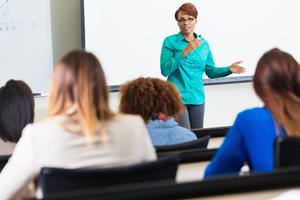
(212, 132)
(53, 180)
(231, 185)
(191, 155)
(286, 152)
(3, 161)
(195, 144)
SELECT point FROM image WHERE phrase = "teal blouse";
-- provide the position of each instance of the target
(186, 71)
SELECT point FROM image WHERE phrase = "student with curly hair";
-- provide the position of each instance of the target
(158, 102)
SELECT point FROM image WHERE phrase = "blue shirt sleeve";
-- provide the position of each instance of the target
(232, 155)
(186, 136)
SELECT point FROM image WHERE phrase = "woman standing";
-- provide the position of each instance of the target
(184, 58)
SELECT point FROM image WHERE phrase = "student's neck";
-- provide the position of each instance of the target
(189, 37)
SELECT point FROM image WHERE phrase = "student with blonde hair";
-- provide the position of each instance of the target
(80, 131)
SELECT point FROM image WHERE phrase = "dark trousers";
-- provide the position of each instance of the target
(192, 117)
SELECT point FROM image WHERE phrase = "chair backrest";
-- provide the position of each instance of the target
(195, 144)
(52, 180)
(3, 161)
(212, 132)
(191, 155)
(286, 152)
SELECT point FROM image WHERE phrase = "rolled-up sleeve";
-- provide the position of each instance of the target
(169, 63)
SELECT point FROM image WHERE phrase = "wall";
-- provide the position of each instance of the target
(66, 26)
(26, 43)
(223, 102)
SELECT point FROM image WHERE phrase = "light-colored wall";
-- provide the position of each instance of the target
(223, 102)
(66, 27)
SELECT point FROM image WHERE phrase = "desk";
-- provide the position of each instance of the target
(190, 172)
(259, 195)
(215, 142)
(195, 171)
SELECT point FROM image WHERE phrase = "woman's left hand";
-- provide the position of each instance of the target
(237, 68)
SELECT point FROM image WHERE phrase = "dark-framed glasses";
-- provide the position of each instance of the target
(188, 20)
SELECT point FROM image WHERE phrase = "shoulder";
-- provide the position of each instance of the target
(254, 118)
(203, 40)
(39, 133)
(178, 131)
(127, 117)
(185, 133)
(257, 113)
(40, 128)
(182, 130)
(171, 39)
(127, 121)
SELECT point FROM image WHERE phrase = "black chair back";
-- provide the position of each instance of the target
(212, 132)
(52, 180)
(287, 151)
(191, 155)
(195, 144)
(3, 161)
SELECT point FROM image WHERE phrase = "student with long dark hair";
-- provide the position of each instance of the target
(251, 139)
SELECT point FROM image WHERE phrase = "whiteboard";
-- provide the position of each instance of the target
(25, 42)
(127, 35)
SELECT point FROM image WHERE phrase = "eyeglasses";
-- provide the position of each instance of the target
(188, 20)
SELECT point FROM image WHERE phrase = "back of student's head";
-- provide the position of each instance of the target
(150, 96)
(16, 109)
(277, 83)
(78, 91)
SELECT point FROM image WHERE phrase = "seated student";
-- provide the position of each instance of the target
(251, 138)
(16, 111)
(157, 101)
(80, 131)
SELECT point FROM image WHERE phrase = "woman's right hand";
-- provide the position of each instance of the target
(193, 44)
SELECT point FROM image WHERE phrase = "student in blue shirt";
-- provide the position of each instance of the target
(251, 138)
(184, 58)
(158, 102)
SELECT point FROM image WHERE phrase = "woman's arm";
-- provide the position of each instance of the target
(19, 170)
(169, 63)
(212, 71)
(232, 155)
